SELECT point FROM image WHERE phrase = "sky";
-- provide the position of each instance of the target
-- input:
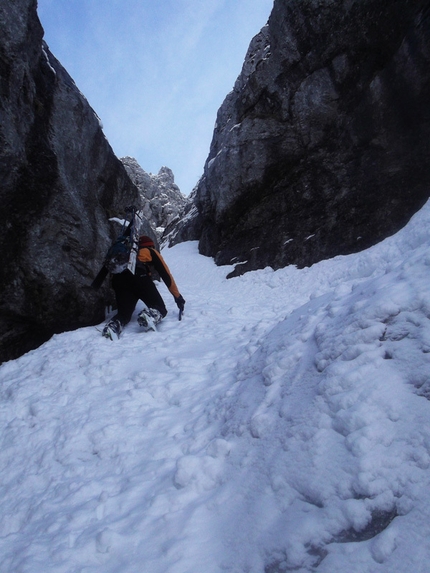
(282, 425)
(155, 72)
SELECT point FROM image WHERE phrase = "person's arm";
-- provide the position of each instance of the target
(147, 255)
(164, 272)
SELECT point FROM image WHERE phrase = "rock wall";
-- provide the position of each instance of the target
(59, 184)
(322, 147)
(162, 199)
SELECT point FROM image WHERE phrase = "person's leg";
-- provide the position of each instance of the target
(148, 293)
(124, 285)
(156, 309)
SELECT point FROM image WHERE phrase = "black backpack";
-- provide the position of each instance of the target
(122, 254)
(118, 256)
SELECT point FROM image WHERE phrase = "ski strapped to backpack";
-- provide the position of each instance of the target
(123, 253)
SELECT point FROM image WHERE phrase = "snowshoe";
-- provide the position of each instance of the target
(112, 329)
(149, 318)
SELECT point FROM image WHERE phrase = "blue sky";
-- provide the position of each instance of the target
(155, 71)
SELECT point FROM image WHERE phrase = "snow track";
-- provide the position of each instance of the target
(283, 424)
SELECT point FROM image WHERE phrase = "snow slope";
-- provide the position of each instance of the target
(283, 425)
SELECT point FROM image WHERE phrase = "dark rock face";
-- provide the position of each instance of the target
(322, 147)
(59, 184)
(161, 198)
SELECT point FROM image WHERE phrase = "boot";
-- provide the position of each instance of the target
(149, 318)
(112, 329)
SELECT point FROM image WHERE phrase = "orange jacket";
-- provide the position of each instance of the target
(150, 256)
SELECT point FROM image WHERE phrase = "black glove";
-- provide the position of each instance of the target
(180, 302)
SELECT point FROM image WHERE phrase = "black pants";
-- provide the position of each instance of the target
(129, 289)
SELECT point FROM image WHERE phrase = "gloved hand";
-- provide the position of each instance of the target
(180, 302)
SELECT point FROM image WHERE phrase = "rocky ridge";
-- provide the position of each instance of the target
(60, 184)
(322, 146)
(161, 198)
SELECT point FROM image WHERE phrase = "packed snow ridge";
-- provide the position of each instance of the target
(282, 425)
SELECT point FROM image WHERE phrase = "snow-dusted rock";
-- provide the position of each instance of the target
(162, 199)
